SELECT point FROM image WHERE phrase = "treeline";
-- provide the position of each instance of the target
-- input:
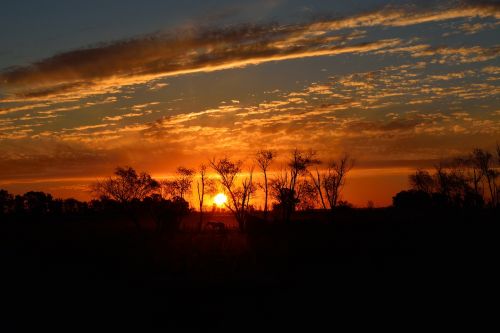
(471, 181)
(36, 206)
(35, 203)
(303, 183)
(300, 185)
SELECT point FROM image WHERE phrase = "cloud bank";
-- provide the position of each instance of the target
(103, 68)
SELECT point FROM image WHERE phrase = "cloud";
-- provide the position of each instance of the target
(450, 76)
(412, 15)
(127, 115)
(448, 55)
(492, 70)
(473, 28)
(13, 109)
(106, 68)
(460, 54)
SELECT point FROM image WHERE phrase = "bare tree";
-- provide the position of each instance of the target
(317, 181)
(307, 195)
(204, 185)
(181, 184)
(334, 179)
(464, 181)
(466, 176)
(484, 161)
(472, 173)
(280, 191)
(239, 195)
(285, 186)
(264, 159)
(299, 163)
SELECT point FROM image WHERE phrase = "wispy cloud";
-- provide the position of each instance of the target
(102, 69)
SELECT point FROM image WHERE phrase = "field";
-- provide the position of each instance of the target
(90, 271)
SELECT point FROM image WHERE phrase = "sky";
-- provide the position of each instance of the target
(88, 86)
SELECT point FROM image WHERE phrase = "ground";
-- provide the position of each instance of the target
(93, 273)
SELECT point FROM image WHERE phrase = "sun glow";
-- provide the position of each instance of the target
(220, 199)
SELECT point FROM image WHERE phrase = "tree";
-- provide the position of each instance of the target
(167, 214)
(128, 188)
(298, 164)
(6, 202)
(307, 194)
(335, 177)
(286, 199)
(421, 180)
(37, 203)
(181, 184)
(239, 195)
(484, 161)
(317, 180)
(264, 159)
(285, 186)
(461, 181)
(204, 185)
(471, 173)
(412, 200)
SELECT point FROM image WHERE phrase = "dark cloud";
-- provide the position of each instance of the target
(142, 59)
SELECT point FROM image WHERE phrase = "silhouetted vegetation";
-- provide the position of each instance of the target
(464, 182)
(140, 238)
(239, 194)
(332, 181)
(204, 185)
(291, 186)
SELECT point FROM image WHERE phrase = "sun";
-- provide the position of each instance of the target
(220, 199)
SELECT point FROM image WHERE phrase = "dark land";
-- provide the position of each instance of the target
(388, 267)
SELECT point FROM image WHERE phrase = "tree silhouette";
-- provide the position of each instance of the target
(181, 184)
(128, 188)
(6, 202)
(239, 195)
(285, 187)
(464, 181)
(484, 160)
(331, 183)
(204, 185)
(335, 177)
(306, 194)
(317, 180)
(421, 180)
(37, 203)
(264, 159)
(412, 200)
(167, 214)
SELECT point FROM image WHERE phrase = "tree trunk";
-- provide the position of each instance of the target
(200, 223)
(240, 218)
(265, 199)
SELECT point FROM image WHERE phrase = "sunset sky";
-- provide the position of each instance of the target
(86, 86)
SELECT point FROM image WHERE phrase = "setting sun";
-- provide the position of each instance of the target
(220, 199)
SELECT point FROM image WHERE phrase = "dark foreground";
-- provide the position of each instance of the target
(366, 267)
